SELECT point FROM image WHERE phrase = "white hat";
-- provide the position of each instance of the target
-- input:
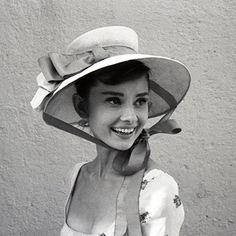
(97, 49)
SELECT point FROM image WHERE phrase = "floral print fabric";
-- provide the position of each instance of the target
(160, 207)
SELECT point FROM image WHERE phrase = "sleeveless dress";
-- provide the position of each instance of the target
(160, 208)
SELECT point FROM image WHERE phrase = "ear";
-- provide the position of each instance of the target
(80, 105)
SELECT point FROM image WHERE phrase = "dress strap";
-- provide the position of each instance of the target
(73, 174)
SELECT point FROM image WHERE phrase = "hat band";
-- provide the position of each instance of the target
(57, 67)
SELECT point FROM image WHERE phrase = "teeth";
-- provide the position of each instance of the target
(125, 131)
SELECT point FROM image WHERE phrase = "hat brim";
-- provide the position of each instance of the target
(171, 75)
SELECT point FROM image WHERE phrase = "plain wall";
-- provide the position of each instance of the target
(35, 158)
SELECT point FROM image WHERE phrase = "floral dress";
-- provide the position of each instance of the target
(160, 208)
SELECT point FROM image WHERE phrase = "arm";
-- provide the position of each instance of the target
(174, 208)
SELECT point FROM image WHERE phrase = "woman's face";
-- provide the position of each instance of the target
(118, 113)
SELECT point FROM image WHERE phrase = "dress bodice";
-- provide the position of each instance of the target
(160, 209)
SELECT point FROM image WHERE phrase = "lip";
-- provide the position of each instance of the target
(123, 127)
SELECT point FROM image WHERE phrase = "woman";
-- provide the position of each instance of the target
(104, 91)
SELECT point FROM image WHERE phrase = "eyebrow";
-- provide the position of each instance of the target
(122, 95)
(142, 94)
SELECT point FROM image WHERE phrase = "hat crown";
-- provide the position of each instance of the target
(104, 37)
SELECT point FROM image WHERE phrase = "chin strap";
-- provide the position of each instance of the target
(57, 123)
(130, 161)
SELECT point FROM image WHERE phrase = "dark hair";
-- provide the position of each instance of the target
(112, 75)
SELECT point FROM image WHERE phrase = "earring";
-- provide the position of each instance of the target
(83, 123)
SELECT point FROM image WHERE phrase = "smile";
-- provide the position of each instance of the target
(125, 131)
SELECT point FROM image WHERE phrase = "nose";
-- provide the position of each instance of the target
(128, 115)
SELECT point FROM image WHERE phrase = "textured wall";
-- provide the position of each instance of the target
(35, 158)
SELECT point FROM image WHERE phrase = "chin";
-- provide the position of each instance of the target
(121, 146)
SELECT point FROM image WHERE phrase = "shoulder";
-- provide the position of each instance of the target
(159, 191)
(73, 172)
(159, 184)
(158, 179)
(154, 176)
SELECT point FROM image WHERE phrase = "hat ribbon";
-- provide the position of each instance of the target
(130, 161)
(58, 67)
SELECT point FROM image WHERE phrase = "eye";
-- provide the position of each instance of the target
(113, 101)
(141, 101)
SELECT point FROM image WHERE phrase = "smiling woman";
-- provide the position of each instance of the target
(115, 103)
(118, 116)
(105, 86)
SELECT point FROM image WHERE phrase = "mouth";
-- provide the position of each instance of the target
(123, 131)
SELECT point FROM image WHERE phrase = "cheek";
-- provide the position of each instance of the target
(93, 119)
(144, 116)
(98, 119)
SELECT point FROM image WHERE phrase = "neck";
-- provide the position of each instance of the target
(102, 164)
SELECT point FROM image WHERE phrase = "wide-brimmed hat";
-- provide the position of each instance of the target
(95, 50)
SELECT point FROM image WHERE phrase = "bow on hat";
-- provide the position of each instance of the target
(58, 67)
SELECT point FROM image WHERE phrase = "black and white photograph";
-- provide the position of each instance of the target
(118, 118)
